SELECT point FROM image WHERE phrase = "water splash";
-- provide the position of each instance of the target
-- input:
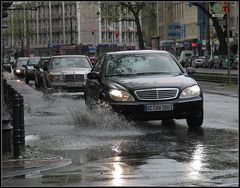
(102, 117)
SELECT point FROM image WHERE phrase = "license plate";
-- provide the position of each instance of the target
(74, 84)
(158, 107)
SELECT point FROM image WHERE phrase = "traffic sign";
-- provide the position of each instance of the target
(183, 31)
(217, 15)
(216, 8)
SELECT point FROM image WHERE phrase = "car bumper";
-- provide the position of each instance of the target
(68, 86)
(30, 75)
(181, 109)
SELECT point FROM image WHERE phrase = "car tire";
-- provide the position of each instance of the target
(44, 84)
(36, 84)
(26, 80)
(194, 122)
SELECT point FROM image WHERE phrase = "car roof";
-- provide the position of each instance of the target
(59, 56)
(138, 52)
(22, 58)
(35, 57)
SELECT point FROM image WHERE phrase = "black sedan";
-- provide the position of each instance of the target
(30, 70)
(145, 85)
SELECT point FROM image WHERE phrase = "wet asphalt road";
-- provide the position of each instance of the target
(107, 150)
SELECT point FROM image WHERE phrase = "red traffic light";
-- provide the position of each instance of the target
(194, 44)
(224, 6)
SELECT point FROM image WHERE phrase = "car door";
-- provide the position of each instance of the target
(93, 86)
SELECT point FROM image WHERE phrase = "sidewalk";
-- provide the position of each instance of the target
(219, 88)
(19, 167)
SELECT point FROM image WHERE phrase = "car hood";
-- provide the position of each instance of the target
(150, 81)
(71, 70)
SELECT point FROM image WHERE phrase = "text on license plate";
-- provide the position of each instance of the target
(158, 107)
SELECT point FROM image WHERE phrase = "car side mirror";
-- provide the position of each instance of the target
(45, 68)
(24, 66)
(93, 75)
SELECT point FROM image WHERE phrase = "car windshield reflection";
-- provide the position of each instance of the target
(136, 64)
(81, 62)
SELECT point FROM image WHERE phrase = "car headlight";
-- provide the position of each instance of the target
(18, 71)
(190, 92)
(120, 95)
(55, 78)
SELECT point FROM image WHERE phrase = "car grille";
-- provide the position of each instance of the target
(157, 94)
(74, 78)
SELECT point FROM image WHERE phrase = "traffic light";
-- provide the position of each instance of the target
(224, 6)
(5, 6)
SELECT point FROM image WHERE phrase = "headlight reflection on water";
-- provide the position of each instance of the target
(196, 164)
(117, 172)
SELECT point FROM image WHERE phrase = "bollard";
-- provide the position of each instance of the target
(16, 128)
(5, 89)
(11, 92)
(21, 119)
(7, 130)
(7, 94)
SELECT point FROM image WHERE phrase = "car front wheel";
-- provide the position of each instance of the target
(196, 121)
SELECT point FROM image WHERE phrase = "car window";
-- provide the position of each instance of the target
(99, 64)
(33, 61)
(20, 63)
(75, 62)
(44, 63)
(140, 63)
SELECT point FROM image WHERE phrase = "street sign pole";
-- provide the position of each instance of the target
(228, 43)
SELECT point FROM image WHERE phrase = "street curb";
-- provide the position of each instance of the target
(20, 167)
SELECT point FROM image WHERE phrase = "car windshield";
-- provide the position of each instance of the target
(20, 63)
(33, 61)
(75, 62)
(132, 64)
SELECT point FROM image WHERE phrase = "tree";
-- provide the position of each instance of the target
(125, 11)
(18, 25)
(218, 28)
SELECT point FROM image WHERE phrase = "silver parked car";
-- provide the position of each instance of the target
(67, 72)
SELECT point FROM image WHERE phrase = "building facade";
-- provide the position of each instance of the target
(56, 23)
(184, 26)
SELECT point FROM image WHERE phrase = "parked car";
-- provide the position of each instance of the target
(18, 68)
(39, 72)
(184, 55)
(145, 85)
(235, 62)
(67, 72)
(29, 69)
(199, 62)
(7, 65)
